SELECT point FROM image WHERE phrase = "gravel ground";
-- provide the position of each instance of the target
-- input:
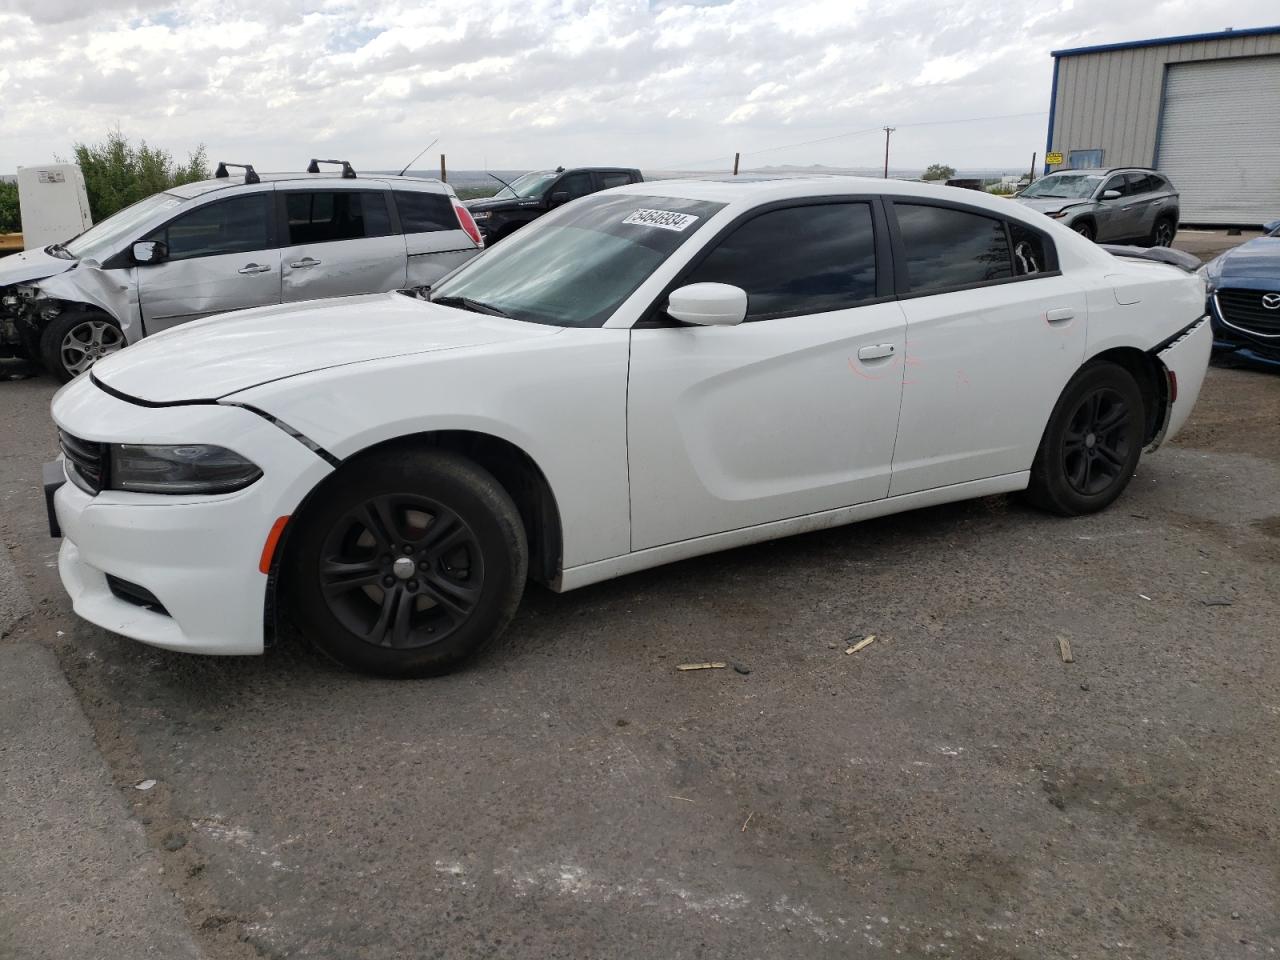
(953, 789)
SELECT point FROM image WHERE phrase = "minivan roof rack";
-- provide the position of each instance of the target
(250, 175)
(347, 172)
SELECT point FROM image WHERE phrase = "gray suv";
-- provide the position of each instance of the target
(1120, 204)
(226, 244)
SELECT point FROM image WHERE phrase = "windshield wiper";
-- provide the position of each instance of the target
(475, 306)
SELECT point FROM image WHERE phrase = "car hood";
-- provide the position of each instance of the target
(1050, 204)
(505, 203)
(221, 355)
(31, 265)
(1259, 258)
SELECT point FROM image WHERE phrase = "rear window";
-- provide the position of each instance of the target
(947, 248)
(425, 212)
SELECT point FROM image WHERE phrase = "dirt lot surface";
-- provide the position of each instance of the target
(954, 789)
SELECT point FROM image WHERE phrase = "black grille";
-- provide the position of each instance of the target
(132, 593)
(86, 462)
(1243, 309)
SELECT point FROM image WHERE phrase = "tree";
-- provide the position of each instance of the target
(117, 173)
(939, 171)
(10, 219)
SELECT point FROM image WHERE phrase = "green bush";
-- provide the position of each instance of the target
(938, 171)
(117, 173)
(476, 193)
(10, 218)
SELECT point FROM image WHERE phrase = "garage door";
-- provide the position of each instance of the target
(1220, 139)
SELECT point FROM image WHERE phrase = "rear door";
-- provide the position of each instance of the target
(433, 237)
(994, 332)
(222, 256)
(338, 242)
(791, 412)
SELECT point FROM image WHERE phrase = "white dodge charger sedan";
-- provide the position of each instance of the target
(646, 374)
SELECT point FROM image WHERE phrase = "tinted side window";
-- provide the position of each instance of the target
(324, 216)
(1116, 183)
(425, 212)
(608, 180)
(798, 260)
(951, 248)
(575, 185)
(377, 219)
(1140, 183)
(238, 225)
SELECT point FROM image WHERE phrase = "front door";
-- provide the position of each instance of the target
(1116, 218)
(221, 258)
(793, 411)
(993, 336)
(339, 242)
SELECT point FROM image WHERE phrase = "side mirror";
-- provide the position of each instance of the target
(1271, 227)
(150, 251)
(708, 304)
(1110, 194)
(559, 197)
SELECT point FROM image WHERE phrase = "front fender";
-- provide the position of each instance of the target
(115, 292)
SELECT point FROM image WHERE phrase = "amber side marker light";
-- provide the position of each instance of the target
(269, 548)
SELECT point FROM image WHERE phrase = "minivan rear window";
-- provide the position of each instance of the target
(422, 212)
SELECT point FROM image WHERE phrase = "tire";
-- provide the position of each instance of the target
(1091, 446)
(351, 591)
(1162, 233)
(1085, 229)
(75, 340)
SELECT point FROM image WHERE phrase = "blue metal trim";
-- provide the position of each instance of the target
(1165, 41)
(1053, 109)
(1164, 92)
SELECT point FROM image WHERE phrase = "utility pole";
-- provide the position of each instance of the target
(887, 131)
(1032, 177)
(444, 174)
(735, 163)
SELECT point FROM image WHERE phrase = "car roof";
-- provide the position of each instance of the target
(755, 189)
(188, 191)
(1104, 171)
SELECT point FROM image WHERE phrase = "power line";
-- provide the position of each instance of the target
(853, 133)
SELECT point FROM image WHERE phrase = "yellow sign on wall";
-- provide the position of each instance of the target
(1053, 157)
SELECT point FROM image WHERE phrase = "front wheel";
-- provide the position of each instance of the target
(409, 563)
(1162, 233)
(1092, 443)
(76, 340)
(1085, 229)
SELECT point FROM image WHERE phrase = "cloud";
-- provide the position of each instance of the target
(651, 83)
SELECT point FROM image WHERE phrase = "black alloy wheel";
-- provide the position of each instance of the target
(401, 570)
(405, 563)
(1095, 448)
(1162, 234)
(1091, 444)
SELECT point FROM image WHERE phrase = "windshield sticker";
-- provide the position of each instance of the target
(663, 219)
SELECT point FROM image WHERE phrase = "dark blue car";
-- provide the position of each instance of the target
(1244, 298)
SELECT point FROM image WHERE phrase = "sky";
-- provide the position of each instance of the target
(656, 84)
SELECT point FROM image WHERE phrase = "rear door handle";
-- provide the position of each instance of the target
(876, 352)
(304, 262)
(1060, 315)
(254, 268)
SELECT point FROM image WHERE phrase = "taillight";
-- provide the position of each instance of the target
(467, 224)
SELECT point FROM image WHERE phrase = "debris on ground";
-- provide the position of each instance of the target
(1144, 596)
(741, 668)
(1064, 648)
(709, 665)
(1216, 602)
(864, 642)
(174, 841)
(746, 821)
(144, 785)
(672, 796)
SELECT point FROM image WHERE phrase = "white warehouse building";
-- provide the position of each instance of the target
(1204, 110)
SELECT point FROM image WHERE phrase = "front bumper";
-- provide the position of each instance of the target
(198, 556)
(1240, 343)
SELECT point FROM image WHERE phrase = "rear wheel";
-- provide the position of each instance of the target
(408, 564)
(1085, 229)
(1162, 233)
(1092, 443)
(74, 341)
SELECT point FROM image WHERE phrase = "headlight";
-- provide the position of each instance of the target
(1060, 214)
(478, 215)
(179, 468)
(1210, 273)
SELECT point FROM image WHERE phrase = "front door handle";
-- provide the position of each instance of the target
(304, 262)
(876, 352)
(254, 268)
(1060, 315)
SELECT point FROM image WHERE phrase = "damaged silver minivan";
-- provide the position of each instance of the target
(226, 244)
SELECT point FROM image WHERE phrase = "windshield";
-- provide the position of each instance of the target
(102, 240)
(574, 267)
(1064, 186)
(527, 187)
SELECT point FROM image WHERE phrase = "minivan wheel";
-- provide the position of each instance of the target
(1091, 446)
(74, 341)
(408, 564)
(1085, 229)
